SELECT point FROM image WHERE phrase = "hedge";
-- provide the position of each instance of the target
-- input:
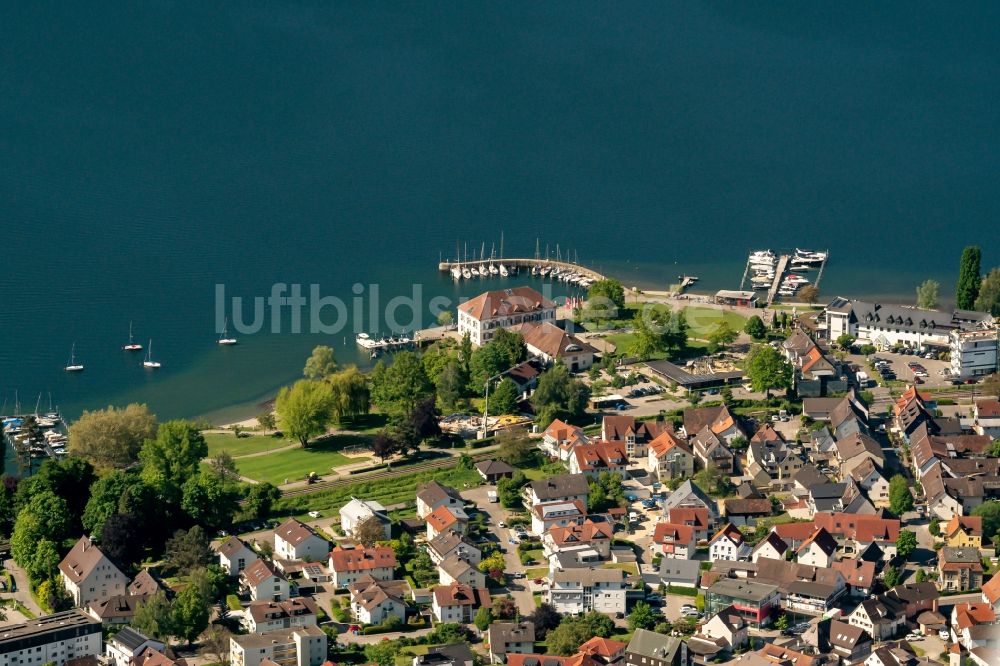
(686, 591)
(233, 602)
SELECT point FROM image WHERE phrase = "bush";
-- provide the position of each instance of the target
(233, 602)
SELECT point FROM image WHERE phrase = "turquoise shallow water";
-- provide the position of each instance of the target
(151, 152)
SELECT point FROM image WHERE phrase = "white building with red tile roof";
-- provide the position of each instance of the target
(481, 316)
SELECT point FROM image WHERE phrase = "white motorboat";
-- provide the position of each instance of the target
(73, 366)
(810, 254)
(224, 339)
(132, 345)
(364, 340)
(149, 362)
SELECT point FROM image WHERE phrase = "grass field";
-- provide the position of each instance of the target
(294, 464)
(218, 442)
(395, 491)
(701, 323)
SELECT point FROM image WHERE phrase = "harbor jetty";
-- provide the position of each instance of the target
(522, 264)
(779, 274)
(782, 275)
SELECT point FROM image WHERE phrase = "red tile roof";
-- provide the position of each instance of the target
(673, 533)
(362, 559)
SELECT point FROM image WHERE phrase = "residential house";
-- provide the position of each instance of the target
(376, 601)
(815, 373)
(915, 597)
(504, 638)
(772, 547)
(301, 646)
(804, 588)
(449, 542)
(775, 460)
(554, 344)
(675, 541)
(636, 435)
(794, 534)
(974, 351)
(882, 617)
(718, 419)
(586, 537)
(585, 589)
(558, 488)
(754, 601)
(456, 569)
(959, 568)
(986, 417)
(819, 550)
(89, 576)
(669, 457)
(458, 602)
(446, 519)
(855, 532)
(144, 584)
(729, 544)
(294, 540)
(124, 648)
(869, 478)
(357, 511)
(594, 458)
(680, 573)
(264, 582)
(116, 610)
(689, 496)
(855, 449)
(965, 617)
(494, 470)
(458, 654)
(849, 643)
(897, 654)
(648, 648)
(697, 518)
(745, 511)
(603, 651)
(560, 438)
(483, 315)
(60, 638)
(963, 532)
(991, 593)
(432, 495)
(710, 451)
(728, 625)
(234, 555)
(261, 616)
(348, 565)
(547, 515)
(858, 574)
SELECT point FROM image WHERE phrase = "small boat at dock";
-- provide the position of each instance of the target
(456, 273)
(503, 271)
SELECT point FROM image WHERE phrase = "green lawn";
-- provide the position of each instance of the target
(702, 321)
(628, 567)
(294, 464)
(218, 442)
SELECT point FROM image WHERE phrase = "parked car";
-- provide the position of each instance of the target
(944, 635)
(314, 514)
(501, 524)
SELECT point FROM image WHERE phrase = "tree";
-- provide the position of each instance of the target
(967, 289)
(260, 498)
(53, 596)
(105, 496)
(767, 369)
(154, 617)
(920, 576)
(320, 364)
(382, 653)
(891, 577)
(988, 299)
(172, 458)
(451, 384)
(658, 330)
(712, 480)
(187, 550)
(504, 398)
(509, 490)
(304, 409)
(384, 445)
(559, 391)
(989, 511)
(845, 340)
(266, 421)
(781, 624)
(190, 614)
(484, 618)
(223, 467)
(425, 419)
(121, 539)
(722, 336)
(112, 437)
(641, 617)
(608, 294)
(515, 448)
(505, 608)
(210, 501)
(369, 531)
(216, 641)
(70, 479)
(511, 345)
(755, 328)
(900, 497)
(445, 318)
(809, 293)
(545, 617)
(349, 393)
(906, 543)
(44, 562)
(927, 294)
(398, 387)
(488, 361)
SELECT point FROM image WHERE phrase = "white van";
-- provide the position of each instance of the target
(491, 495)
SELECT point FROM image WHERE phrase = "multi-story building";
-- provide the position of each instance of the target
(51, 638)
(974, 353)
(458, 602)
(263, 616)
(263, 581)
(755, 602)
(375, 601)
(959, 568)
(348, 565)
(89, 576)
(481, 316)
(669, 457)
(887, 326)
(581, 590)
(635, 434)
(235, 556)
(558, 488)
(303, 646)
(648, 648)
(294, 540)
(510, 637)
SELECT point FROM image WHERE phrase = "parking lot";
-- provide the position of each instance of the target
(900, 365)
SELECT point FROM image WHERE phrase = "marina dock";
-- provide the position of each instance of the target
(523, 264)
(779, 274)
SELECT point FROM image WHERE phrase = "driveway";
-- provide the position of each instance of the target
(518, 589)
(23, 593)
(672, 605)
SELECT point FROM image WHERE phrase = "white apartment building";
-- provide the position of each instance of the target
(54, 638)
(303, 646)
(974, 353)
(481, 316)
(583, 590)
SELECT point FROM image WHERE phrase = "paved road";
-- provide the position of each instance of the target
(23, 593)
(518, 588)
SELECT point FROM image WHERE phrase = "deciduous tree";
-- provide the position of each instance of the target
(641, 617)
(503, 399)
(767, 369)
(809, 293)
(755, 328)
(260, 498)
(451, 384)
(320, 364)
(927, 294)
(122, 539)
(172, 458)
(154, 617)
(369, 531)
(349, 393)
(906, 543)
(384, 445)
(189, 614)
(112, 437)
(988, 299)
(305, 409)
(511, 345)
(398, 387)
(188, 550)
(900, 497)
(545, 617)
(607, 293)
